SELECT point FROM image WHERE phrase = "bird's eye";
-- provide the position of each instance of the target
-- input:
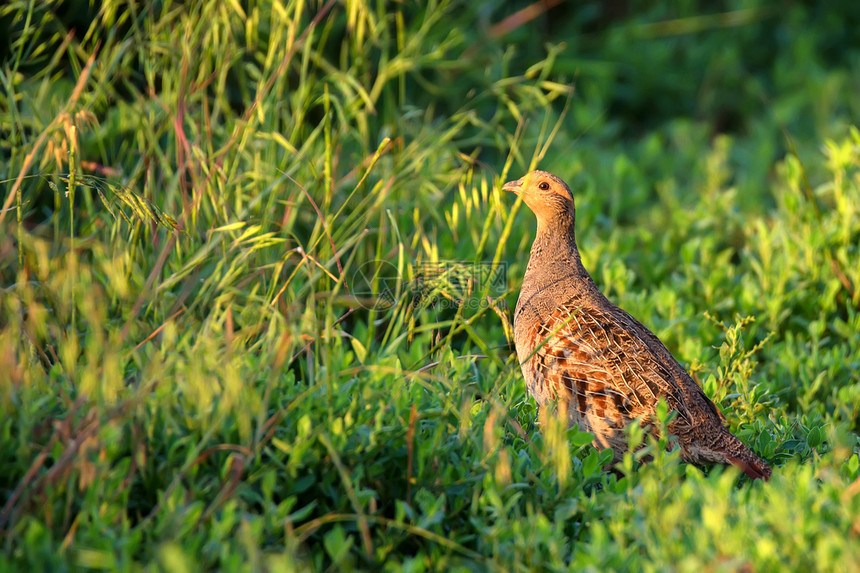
(543, 186)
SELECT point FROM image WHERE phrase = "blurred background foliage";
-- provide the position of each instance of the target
(219, 346)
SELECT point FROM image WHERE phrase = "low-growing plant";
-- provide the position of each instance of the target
(257, 284)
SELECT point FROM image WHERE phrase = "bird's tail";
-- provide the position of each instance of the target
(728, 449)
(752, 465)
(745, 460)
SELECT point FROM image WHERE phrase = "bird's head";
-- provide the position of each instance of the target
(548, 197)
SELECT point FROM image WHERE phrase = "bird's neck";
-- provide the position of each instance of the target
(554, 249)
(555, 266)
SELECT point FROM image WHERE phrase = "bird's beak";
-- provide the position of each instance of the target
(513, 186)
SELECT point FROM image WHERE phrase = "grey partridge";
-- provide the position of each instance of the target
(577, 348)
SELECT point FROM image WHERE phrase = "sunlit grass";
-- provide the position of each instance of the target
(233, 353)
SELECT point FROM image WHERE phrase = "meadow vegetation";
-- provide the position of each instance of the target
(257, 277)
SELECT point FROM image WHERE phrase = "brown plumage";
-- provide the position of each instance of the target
(579, 349)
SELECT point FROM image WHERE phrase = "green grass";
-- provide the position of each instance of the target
(248, 314)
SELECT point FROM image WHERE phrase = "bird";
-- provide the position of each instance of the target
(593, 360)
